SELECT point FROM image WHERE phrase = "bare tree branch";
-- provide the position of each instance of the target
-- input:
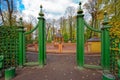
(10, 10)
(1, 13)
(70, 11)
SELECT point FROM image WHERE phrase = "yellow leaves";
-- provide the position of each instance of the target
(99, 1)
(115, 30)
(100, 16)
(116, 49)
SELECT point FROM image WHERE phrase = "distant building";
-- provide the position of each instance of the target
(58, 38)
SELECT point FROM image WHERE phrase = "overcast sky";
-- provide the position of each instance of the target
(53, 9)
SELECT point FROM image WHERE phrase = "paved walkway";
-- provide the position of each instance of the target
(59, 67)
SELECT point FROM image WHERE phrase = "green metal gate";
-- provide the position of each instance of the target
(81, 24)
(41, 41)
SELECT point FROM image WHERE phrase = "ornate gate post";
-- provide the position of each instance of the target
(80, 38)
(41, 39)
(21, 44)
(105, 59)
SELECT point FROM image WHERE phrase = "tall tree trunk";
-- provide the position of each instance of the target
(95, 22)
(92, 24)
(2, 16)
(10, 10)
(47, 31)
(70, 23)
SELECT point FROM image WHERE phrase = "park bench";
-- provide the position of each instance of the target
(1, 64)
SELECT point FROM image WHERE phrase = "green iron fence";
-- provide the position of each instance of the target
(9, 46)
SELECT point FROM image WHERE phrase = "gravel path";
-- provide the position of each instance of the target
(59, 67)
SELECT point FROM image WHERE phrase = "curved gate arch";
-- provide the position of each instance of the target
(41, 41)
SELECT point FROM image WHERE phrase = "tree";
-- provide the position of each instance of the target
(63, 28)
(29, 25)
(112, 7)
(10, 10)
(7, 10)
(95, 9)
(70, 11)
(1, 13)
(48, 26)
(53, 28)
(115, 18)
(32, 20)
(62, 22)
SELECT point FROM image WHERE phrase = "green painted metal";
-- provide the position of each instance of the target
(9, 73)
(80, 37)
(107, 76)
(41, 41)
(41, 38)
(31, 30)
(118, 68)
(45, 56)
(92, 66)
(91, 28)
(21, 43)
(24, 49)
(1, 64)
(105, 40)
(1, 61)
(105, 59)
(31, 64)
